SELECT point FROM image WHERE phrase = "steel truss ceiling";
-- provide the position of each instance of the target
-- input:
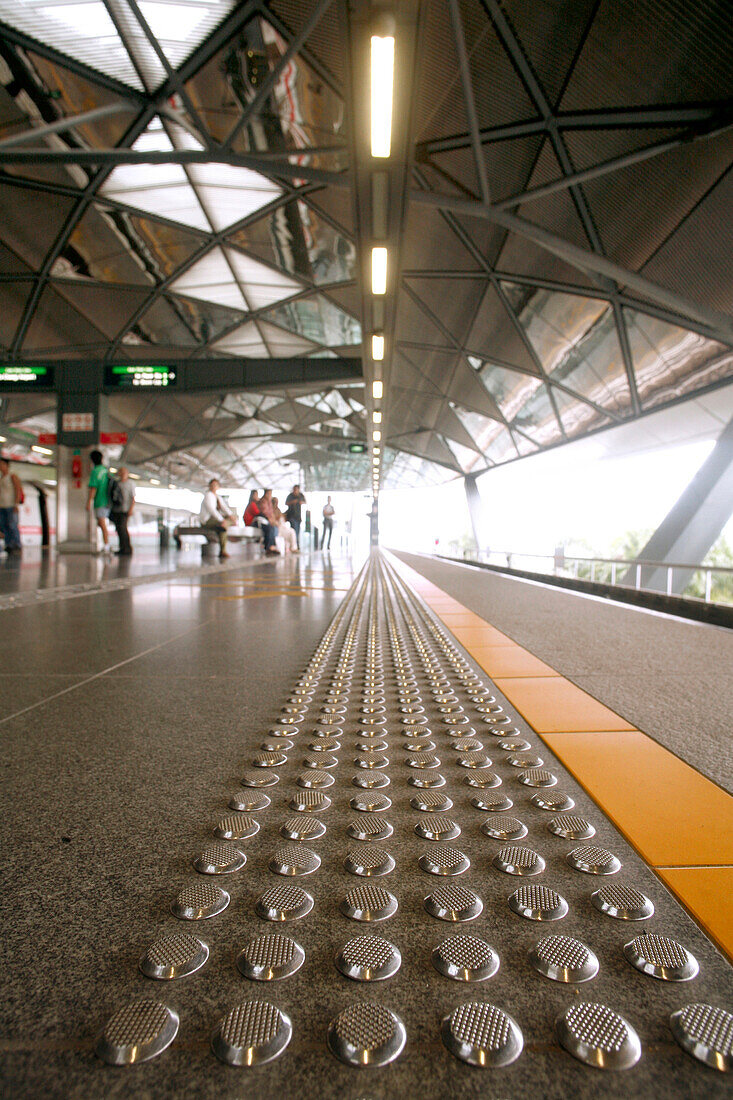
(192, 179)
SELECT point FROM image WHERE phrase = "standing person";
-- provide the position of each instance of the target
(214, 514)
(122, 503)
(293, 504)
(11, 497)
(99, 496)
(328, 513)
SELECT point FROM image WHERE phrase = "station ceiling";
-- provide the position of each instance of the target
(193, 179)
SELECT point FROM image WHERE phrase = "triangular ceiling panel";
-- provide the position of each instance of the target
(429, 445)
(55, 328)
(453, 300)
(108, 308)
(245, 341)
(495, 336)
(298, 240)
(15, 296)
(430, 243)
(467, 389)
(282, 343)
(449, 425)
(318, 320)
(414, 324)
(230, 278)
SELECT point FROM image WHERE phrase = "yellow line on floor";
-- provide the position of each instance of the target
(678, 820)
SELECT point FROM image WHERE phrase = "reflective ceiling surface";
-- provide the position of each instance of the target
(193, 179)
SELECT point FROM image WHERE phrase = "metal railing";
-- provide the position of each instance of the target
(711, 583)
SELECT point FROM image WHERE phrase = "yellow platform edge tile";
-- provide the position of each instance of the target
(707, 893)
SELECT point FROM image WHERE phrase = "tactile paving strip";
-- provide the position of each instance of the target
(383, 651)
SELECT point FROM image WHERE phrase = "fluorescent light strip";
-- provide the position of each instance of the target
(382, 87)
(377, 389)
(377, 347)
(379, 270)
(377, 416)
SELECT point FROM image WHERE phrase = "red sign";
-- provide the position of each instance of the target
(112, 439)
(47, 439)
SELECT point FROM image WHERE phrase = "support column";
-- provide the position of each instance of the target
(694, 523)
(374, 524)
(80, 418)
(476, 512)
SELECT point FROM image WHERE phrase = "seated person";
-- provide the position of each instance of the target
(284, 530)
(216, 515)
(254, 516)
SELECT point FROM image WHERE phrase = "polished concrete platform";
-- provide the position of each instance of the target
(128, 719)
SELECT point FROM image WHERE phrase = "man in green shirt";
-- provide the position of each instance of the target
(99, 496)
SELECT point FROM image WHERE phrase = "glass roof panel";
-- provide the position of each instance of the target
(577, 416)
(537, 418)
(245, 341)
(465, 456)
(670, 361)
(482, 429)
(156, 188)
(181, 25)
(502, 448)
(283, 343)
(299, 241)
(319, 320)
(509, 388)
(211, 279)
(262, 286)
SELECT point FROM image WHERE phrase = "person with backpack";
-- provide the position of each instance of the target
(11, 497)
(99, 496)
(122, 504)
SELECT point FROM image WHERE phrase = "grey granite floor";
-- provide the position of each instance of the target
(671, 678)
(156, 699)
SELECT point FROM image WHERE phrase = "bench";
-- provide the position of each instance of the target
(234, 534)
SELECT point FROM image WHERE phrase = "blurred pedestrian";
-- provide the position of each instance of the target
(122, 504)
(293, 514)
(11, 498)
(328, 513)
(99, 496)
(216, 515)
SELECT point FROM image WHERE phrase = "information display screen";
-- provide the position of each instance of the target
(357, 448)
(140, 376)
(25, 376)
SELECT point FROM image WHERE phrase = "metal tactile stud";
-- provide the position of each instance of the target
(425, 745)
(325, 744)
(174, 956)
(276, 746)
(366, 1034)
(519, 861)
(200, 901)
(252, 1033)
(494, 803)
(564, 959)
(598, 1036)
(467, 744)
(370, 762)
(661, 957)
(369, 828)
(319, 761)
(515, 744)
(368, 959)
(369, 861)
(431, 802)
(371, 746)
(538, 903)
(369, 903)
(269, 958)
(593, 860)
(444, 861)
(315, 780)
(475, 760)
(236, 827)
(426, 780)
(571, 827)
(294, 859)
(259, 779)
(416, 732)
(705, 1032)
(248, 801)
(622, 902)
(269, 759)
(370, 780)
(302, 828)
(483, 780)
(465, 959)
(537, 777)
(137, 1032)
(370, 803)
(309, 802)
(422, 760)
(554, 801)
(438, 827)
(524, 760)
(482, 1035)
(281, 903)
(220, 859)
(504, 828)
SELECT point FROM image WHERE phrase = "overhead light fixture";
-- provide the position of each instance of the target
(171, 485)
(376, 435)
(41, 450)
(377, 347)
(377, 416)
(382, 87)
(375, 450)
(113, 469)
(377, 389)
(379, 270)
(135, 477)
(3, 439)
(154, 481)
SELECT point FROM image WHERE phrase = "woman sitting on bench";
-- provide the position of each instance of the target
(255, 517)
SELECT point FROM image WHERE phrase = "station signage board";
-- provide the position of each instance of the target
(140, 376)
(357, 448)
(26, 376)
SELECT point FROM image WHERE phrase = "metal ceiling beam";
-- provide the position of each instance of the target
(623, 339)
(468, 100)
(69, 123)
(111, 158)
(589, 262)
(295, 44)
(612, 118)
(616, 164)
